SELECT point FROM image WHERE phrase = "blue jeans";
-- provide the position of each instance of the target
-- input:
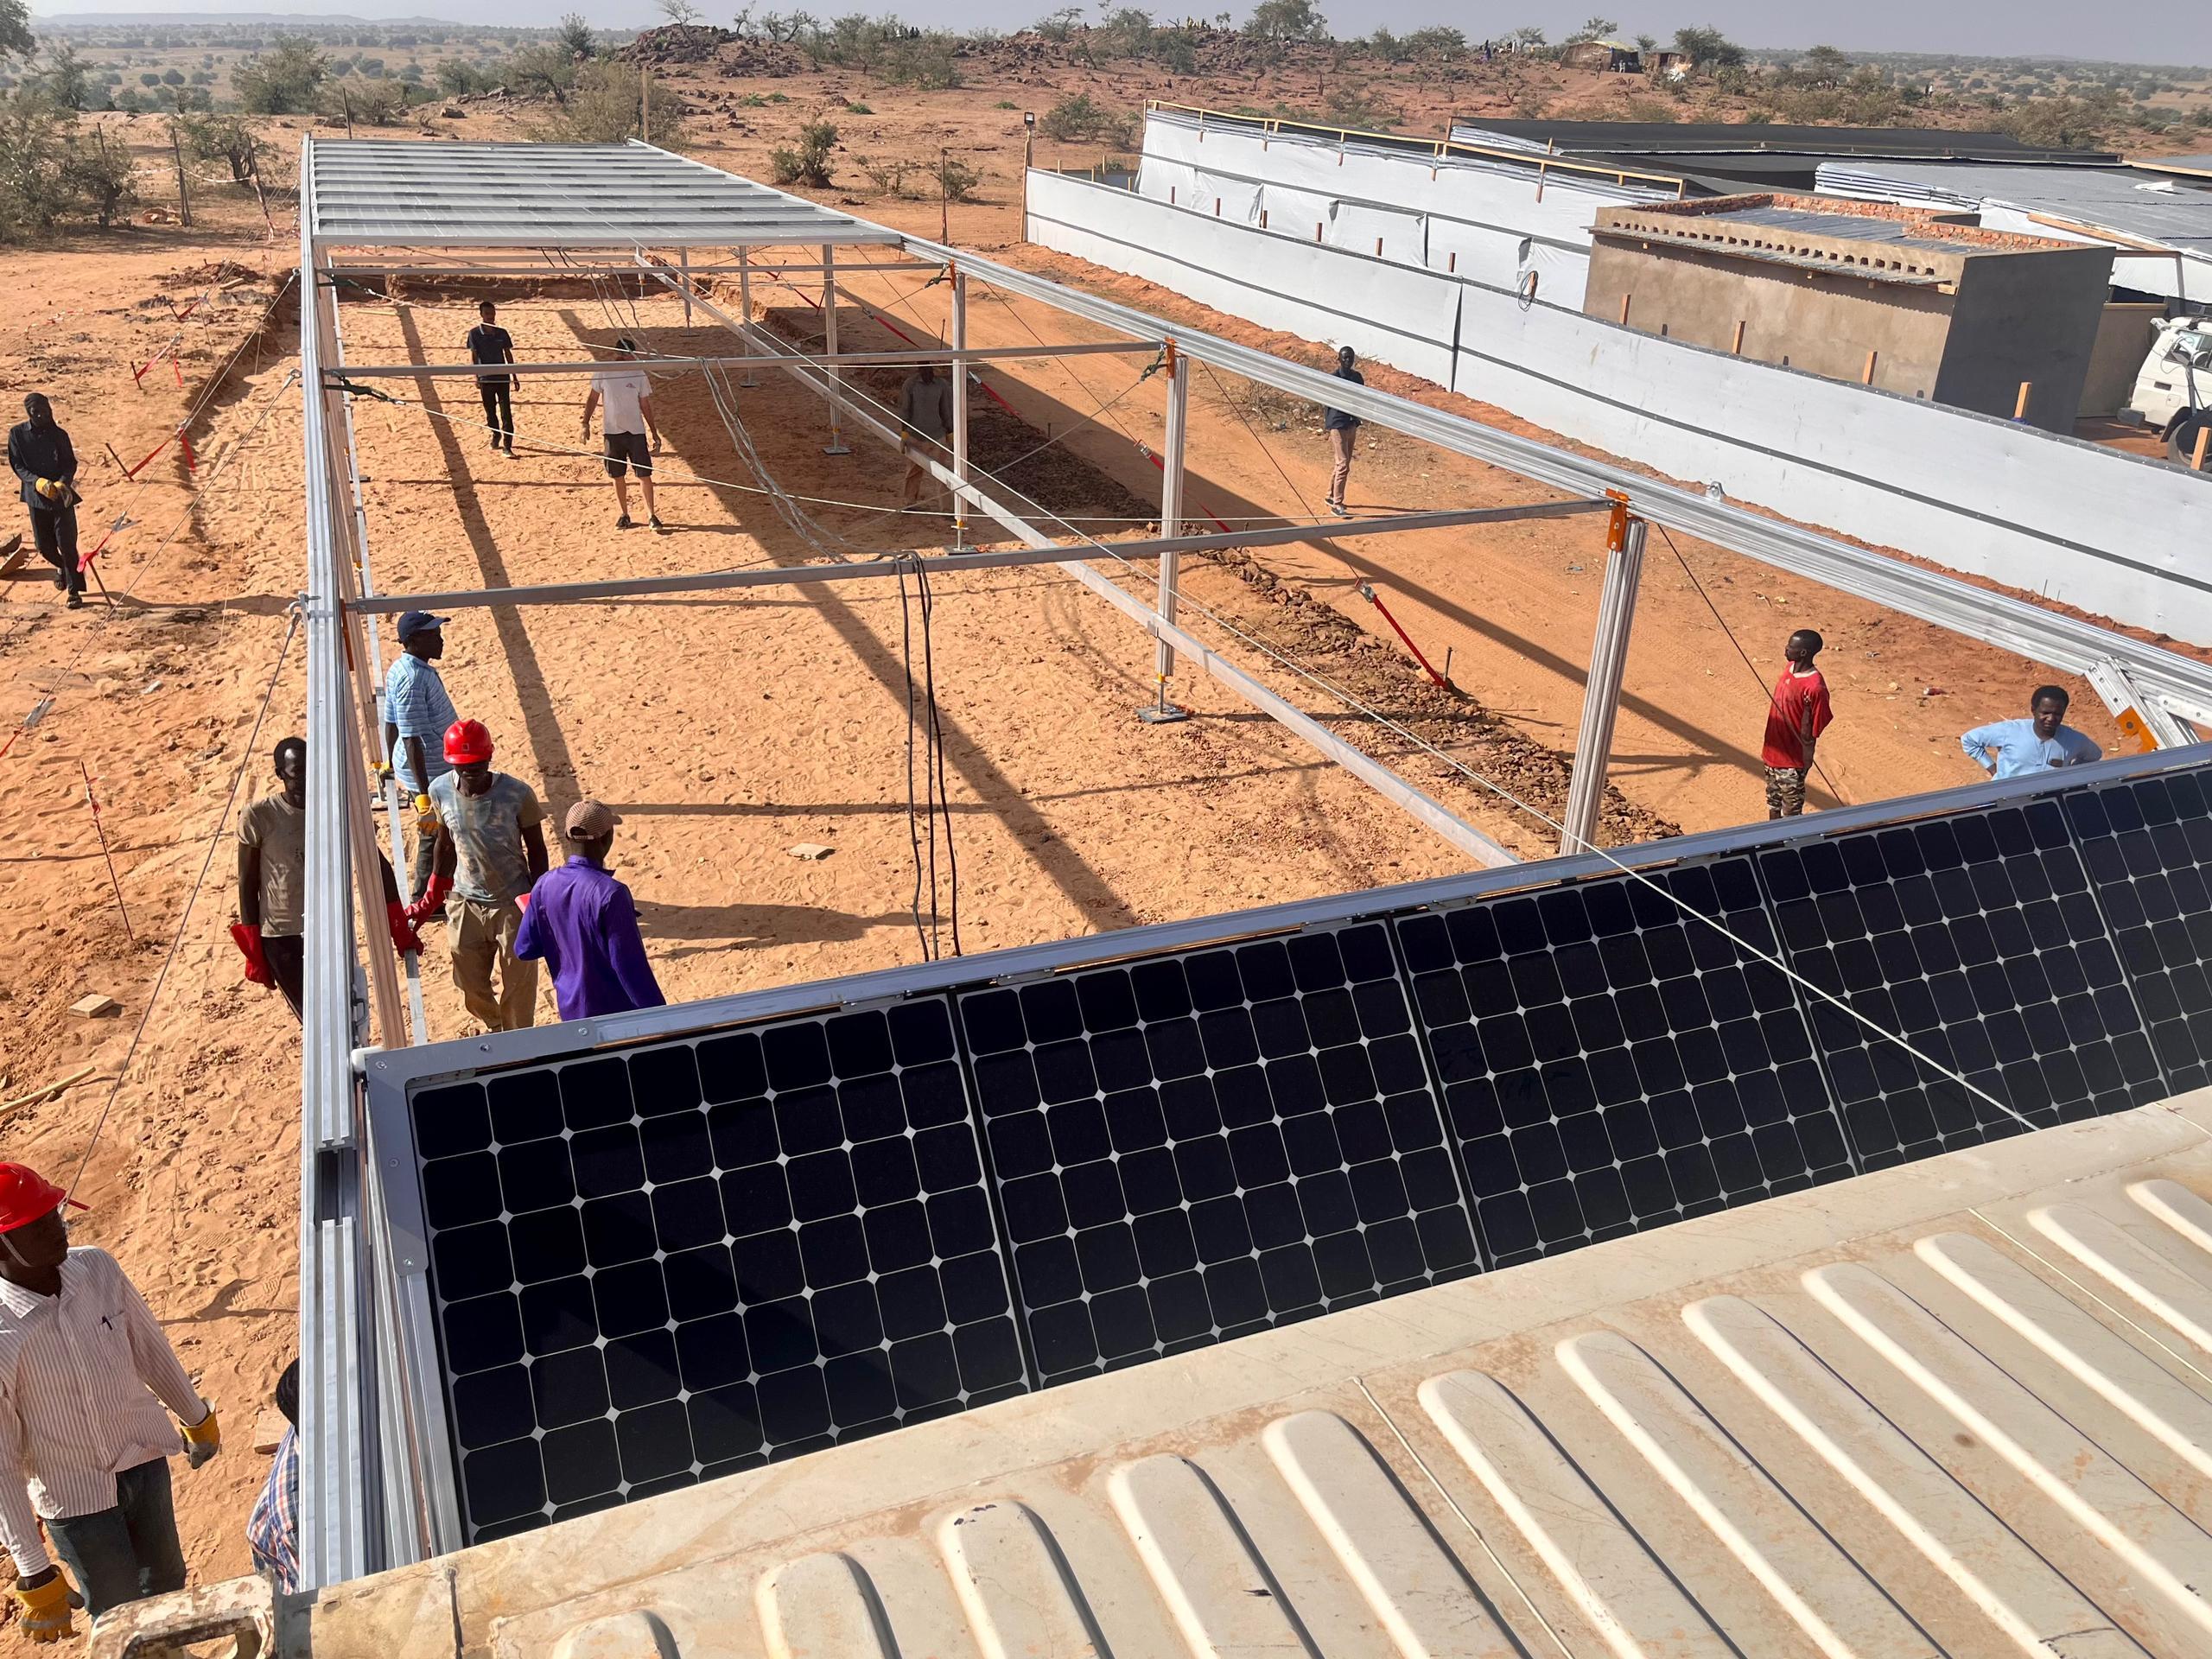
(129, 1551)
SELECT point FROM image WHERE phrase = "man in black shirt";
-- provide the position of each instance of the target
(1344, 431)
(489, 343)
(40, 452)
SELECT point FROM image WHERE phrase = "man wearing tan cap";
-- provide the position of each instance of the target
(583, 924)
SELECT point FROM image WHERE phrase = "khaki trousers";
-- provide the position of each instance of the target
(1340, 442)
(481, 935)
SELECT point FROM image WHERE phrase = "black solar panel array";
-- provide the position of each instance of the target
(676, 1261)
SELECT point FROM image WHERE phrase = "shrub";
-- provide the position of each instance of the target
(928, 60)
(957, 181)
(1079, 117)
(855, 108)
(601, 107)
(373, 102)
(887, 175)
(226, 138)
(52, 167)
(808, 161)
(96, 176)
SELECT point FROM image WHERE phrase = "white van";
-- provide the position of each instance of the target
(2175, 377)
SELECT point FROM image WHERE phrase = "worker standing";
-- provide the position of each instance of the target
(417, 712)
(925, 422)
(583, 924)
(273, 881)
(627, 397)
(1342, 428)
(45, 462)
(491, 847)
(84, 1444)
(2022, 746)
(489, 343)
(1797, 713)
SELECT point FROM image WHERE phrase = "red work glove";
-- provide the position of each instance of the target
(432, 901)
(247, 936)
(403, 937)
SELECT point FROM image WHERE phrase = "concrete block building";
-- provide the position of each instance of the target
(1901, 298)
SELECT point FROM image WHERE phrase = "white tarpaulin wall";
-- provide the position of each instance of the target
(2115, 534)
(1487, 219)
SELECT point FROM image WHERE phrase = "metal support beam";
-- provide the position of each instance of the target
(1601, 693)
(946, 559)
(960, 361)
(627, 271)
(683, 269)
(836, 444)
(1161, 711)
(2143, 718)
(584, 365)
(745, 309)
(1358, 762)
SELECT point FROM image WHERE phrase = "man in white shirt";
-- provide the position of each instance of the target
(84, 1444)
(627, 395)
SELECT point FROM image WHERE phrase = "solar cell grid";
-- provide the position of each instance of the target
(1977, 938)
(661, 1266)
(1610, 1063)
(1193, 1148)
(2147, 846)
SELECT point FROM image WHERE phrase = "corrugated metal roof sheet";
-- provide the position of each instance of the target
(382, 193)
(1963, 1407)
(2167, 211)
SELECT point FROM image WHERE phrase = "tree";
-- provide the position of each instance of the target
(16, 40)
(67, 79)
(1528, 36)
(284, 80)
(1708, 48)
(1277, 21)
(1593, 28)
(225, 138)
(681, 13)
(97, 176)
(1824, 66)
(574, 36)
(601, 108)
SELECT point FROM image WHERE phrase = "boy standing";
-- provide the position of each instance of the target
(489, 343)
(627, 396)
(1796, 715)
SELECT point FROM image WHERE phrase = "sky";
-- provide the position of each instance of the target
(2019, 27)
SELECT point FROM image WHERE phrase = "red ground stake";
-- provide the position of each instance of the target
(1367, 592)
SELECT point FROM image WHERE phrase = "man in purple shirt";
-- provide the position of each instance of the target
(581, 923)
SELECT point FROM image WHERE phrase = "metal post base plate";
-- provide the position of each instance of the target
(1161, 714)
(835, 450)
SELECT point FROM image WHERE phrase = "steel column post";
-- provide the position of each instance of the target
(1161, 711)
(683, 266)
(1601, 694)
(745, 307)
(959, 333)
(836, 444)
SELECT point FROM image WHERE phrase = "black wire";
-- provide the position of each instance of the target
(914, 831)
(1758, 678)
(937, 750)
(1256, 438)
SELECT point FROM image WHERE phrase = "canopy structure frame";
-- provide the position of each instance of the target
(374, 1486)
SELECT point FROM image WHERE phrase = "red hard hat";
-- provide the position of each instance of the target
(468, 740)
(26, 1195)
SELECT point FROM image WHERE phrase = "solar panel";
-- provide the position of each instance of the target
(654, 1265)
(659, 1266)
(1193, 1148)
(1610, 1062)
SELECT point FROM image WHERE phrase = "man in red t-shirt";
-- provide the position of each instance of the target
(1797, 715)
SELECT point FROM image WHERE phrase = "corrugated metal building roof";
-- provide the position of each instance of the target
(1960, 1406)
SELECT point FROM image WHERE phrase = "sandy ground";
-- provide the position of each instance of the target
(729, 728)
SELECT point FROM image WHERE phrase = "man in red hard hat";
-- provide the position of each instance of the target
(491, 847)
(84, 1444)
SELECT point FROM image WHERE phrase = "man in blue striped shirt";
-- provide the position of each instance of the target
(417, 712)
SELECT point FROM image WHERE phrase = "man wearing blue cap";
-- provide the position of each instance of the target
(417, 712)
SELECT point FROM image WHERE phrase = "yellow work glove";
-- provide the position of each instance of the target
(46, 1610)
(426, 816)
(51, 488)
(202, 1440)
